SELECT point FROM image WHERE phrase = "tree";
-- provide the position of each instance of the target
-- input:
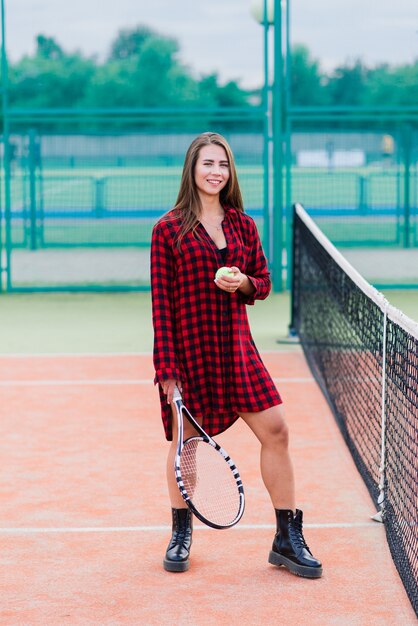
(129, 42)
(48, 48)
(212, 94)
(348, 85)
(155, 71)
(306, 80)
(396, 86)
(50, 81)
(151, 78)
(142, 70)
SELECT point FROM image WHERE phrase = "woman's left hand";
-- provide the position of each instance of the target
(232, 283)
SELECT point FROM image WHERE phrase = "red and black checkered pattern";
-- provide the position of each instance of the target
(201, 333)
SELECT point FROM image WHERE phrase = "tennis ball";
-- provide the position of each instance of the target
(224, 271)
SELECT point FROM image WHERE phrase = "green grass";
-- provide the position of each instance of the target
(75, 323)
(111, 323)
(365, 231)
(405, 300)
(102, 323)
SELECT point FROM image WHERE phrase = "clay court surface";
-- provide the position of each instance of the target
(85, 517)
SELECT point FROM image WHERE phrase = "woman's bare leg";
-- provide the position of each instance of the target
(271, 430)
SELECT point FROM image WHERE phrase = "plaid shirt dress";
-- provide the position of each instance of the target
(201, 333)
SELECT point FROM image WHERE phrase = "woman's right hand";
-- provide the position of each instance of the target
(168, 388)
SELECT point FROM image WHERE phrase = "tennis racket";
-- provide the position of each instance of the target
(207, 477)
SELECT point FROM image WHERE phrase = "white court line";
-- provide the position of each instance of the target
(135, 529)
(58, 383)
(98, 355)
(52, 355)
(307, 379)
(122, 381)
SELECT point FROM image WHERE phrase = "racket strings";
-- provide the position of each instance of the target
(209, 482)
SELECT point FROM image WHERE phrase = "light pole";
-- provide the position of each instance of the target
(269, 13)
(6, 154)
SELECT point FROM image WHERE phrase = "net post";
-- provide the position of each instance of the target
(407, 187)
(379, 516)
(5, 255)
(32, 189)
(292, 329)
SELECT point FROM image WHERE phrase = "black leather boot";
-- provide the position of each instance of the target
(178, 550)
(290, 548)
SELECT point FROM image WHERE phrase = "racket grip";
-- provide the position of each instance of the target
(176, 394)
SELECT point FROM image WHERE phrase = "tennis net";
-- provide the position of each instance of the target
(364, 355)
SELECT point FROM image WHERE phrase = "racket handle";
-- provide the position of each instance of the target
(177, 394)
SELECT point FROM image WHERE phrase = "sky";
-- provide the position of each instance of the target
(221, 35)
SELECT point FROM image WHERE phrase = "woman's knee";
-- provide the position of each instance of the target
(279, 430)
(269, 426)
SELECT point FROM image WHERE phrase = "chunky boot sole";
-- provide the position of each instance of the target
(176, 566)
(299, 570)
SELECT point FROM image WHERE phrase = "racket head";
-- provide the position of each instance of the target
(209, 482)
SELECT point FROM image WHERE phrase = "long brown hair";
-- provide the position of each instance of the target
(188, 204)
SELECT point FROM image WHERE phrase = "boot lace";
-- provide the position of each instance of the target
(181, 535)
(296, 534)
(182, 532)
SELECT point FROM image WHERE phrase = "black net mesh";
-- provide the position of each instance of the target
(341, 334)
(340, 320)
(401, 467)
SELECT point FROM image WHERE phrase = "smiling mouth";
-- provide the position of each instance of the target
(213, 182)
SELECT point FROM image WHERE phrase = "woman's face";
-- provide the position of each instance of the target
(211, 172)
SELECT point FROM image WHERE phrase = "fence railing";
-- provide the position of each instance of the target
(83, 185)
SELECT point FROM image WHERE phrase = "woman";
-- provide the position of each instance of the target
(203, 344)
